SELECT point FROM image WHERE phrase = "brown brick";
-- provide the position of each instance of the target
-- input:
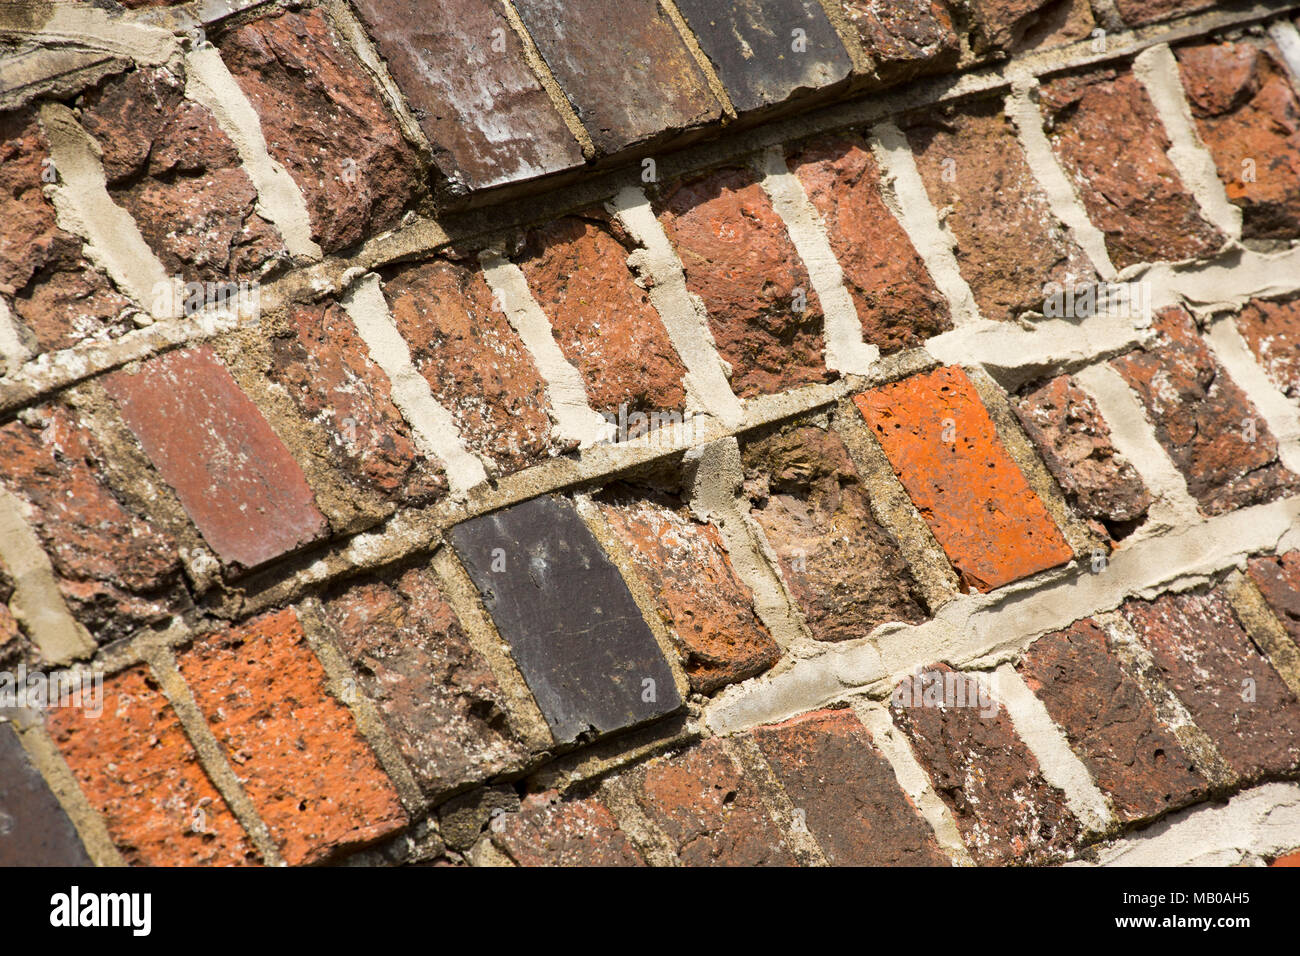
(1005, 810)
(1009, 245)
(231, 472)
(138, 769)
(1205, 658)
(1204, 420)
(846, 793)
(1111, 725)
(602, 320)
(740, 262)
(325, 123)
(1065, 424)
(1137, 12)
(1009, 26)
(840, 565)
(72, 302)
(313, 779)
(548, 831)
(896, 300)
(1272, 330)
(438, 696)
(709, 612)
(1278, 578)
(946, 452)
(1112, 144)
(905, 38)
(475, 364)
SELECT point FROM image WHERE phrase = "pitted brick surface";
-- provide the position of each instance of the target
(548, 831)
(1272, 330)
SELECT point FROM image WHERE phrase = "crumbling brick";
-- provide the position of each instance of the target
(904, 39)
(550, 831)
(1272, 330)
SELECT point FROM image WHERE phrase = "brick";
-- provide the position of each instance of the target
(765, 319)
(296, 750)
(945, 450)
(710, 813)
(1112, 144)
(1272, 330)
(71, 303)
(1278, 579)
(138, 770)
(231, 472)
(1248, 116)
(1009, 245)
(116, 570)
(1066, 426)
(638, 84)
(1289, 859)
(1004, 809)
(437, 694)
(896, 300)
(1137, 12)
(759, 52)
(34, 830)
(1131, 753)
(842, 568)
(709, 612)
(602, 319)
(325, 123)
(549, 831)
(9, 631)
(1009, 26)
(592, 665)
(906, 38)
(462, 70)
(1205, 422)
(1203, 655)
(850, 799)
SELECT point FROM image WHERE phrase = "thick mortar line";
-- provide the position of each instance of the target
(85, 25)
(1265, 629)
(279, 200)
(432, 427)
(715, 84)
(1157, 70)
(845, 350)
(748, 759)
(1278, 412)
(13, 353)
(574, 417)
(904, 193)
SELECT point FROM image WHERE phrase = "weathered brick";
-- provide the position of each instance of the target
(905, 38)
(766, 51)
(1111, 725)
(231, 472)
(1137, 12)
(589, 658)
(69, 303)
(843, 569)
(549, 831)
(1009, 245)
(1065, 424)
(9, 631)
(1005, 810)
(1278, 578)
(945, 450)
(137, 768)
(1289, 859)
(34, 830)
(846, 793)
(296, 750)
(475, 364)
(115, 569)
(1272, 330)
(462, 69)
(1205, 422)
(325, 123)
(1232, 692)
(1248, 116)
(639, 82)
(1008, 26)
(765, 317)
(438, 696)
(1110, 140)
(709, 612)
(896, 300)
(602, 320)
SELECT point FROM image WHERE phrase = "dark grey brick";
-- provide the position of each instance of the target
(34, 830)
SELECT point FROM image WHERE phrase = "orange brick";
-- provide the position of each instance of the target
(1290, 859)
(944, 449)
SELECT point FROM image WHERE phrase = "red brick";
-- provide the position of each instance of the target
(137, 768)
(232, 473)
(1205, 422)
(602, 320)
(904, 38)
(1272, 330)
(1009, 26)
(843, 569)
(945, 450)
(1290, 859)
(846, 792)
(897, 302)
(548, 831)
(1111, 725)
(709, 612)
(1111, 142)
(115, 569)
(1137, 12)
(475, 364)
(440, 699)
(72, 302)
(296, 750)
(1206, 659)
(1278, 578)
(325, 123)
(1005, 810)
(740, 262)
